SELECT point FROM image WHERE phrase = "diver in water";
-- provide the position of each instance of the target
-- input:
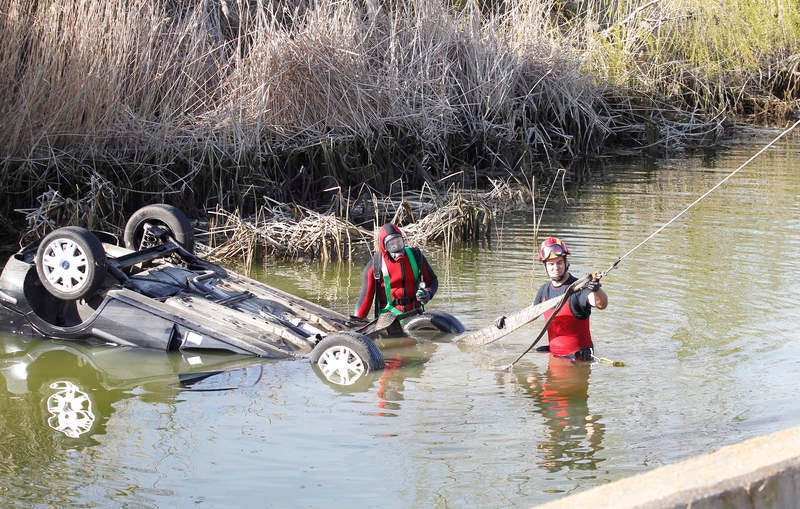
(568, 333)
(398, 278)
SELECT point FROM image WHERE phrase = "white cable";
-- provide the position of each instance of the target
(734, 172)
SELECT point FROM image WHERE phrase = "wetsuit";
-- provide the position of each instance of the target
(568, 333)
(402, 281)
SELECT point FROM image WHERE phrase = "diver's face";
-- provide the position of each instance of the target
(394, 245)
(556, 268)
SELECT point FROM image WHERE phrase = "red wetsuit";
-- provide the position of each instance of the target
(401, 279)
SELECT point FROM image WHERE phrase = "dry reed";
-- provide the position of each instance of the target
(204, 102)
(288, 231)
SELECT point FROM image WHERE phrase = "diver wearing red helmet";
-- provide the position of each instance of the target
(568, 333)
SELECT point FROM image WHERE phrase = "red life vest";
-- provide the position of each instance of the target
(402, 278)
(566, 333)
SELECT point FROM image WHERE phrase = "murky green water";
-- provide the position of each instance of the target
(704, 315)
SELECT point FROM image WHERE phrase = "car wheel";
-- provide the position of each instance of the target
(435, 321)
(136, 236)
(344, 357)
(71, 263)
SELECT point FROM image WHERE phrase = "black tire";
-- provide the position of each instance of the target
(71, 263)
(158, 214)
(344, 357)
(434, 321)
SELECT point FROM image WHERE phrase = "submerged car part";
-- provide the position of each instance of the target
(154, 292)
(345, 357)
(436, 321)
(160, 295)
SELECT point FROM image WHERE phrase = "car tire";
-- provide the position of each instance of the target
(161, 215)
(435, 321)
(344, 357)
(71, 263)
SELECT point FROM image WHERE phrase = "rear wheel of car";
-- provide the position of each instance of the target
(344, 357)
(136, 234)
(71, 263)
(434, 321)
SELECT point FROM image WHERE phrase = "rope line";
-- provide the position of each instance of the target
(601, 275)
(698, 200)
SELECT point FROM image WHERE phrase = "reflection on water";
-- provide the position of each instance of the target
(49, 386)
(70, 409)
(72, 388)
(401, 364)
(572, 435)
(704, 316)
(403, 357)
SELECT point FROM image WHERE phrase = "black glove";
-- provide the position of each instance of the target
(500, 322)
(424, 296)
(593, 285)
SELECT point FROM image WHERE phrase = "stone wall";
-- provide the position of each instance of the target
(760, 473)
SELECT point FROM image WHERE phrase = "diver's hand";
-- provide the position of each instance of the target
(593, 284)
(500, 322)
(424, 296)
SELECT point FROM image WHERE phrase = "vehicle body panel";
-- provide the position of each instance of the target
(169, 300)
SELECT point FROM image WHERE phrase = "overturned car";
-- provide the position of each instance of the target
(155, 292)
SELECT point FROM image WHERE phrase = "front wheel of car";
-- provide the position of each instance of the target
(71, 263)
(136, 234)
(345, 357)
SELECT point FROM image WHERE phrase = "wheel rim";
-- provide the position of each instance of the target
(341, 365)
(148, 239)
(66, 265)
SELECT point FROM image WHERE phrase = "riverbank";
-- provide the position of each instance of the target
(225, 104)
(762, 472)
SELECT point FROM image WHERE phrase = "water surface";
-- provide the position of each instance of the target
(703, 315)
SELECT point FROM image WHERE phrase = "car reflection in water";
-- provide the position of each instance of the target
(70, 409)
(573, 435)
(71, 387)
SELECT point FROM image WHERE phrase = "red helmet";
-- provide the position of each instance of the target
(552, 248)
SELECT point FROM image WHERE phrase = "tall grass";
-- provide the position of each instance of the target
(208, 103)
(731, 56)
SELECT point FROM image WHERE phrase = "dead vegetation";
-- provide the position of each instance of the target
(289, 231)
(217, 104)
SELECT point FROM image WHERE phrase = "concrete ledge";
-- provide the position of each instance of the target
(760, 473)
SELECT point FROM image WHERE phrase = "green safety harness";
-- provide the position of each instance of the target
(386, 283)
